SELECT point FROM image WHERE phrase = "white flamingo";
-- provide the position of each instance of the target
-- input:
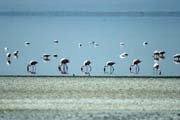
(27, 43)
(108, 68)
(86, 67)
(16, 54)
(156, 69)
(62, 67)
(176, 58)
(6, 49)
(80, 45)
(45, 57)
(123, 55)
(135, 64)
(56, 41)
(145, 43)
(8, 58)
(31, 67)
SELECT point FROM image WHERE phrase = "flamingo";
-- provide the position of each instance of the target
(156, 69)
(8, 58)
(6, 49)
(122, 43)
(62, 67)
(45, 57)
(176, 58)
(16, 53)
(145, 43)
(31, 67)
(80, 45)
(156, 54)
(86, 68)
(56, 41)
(55, 55)
(136, 64)
(108, 68)
(161, 54)
(27, 43)
(123, 55)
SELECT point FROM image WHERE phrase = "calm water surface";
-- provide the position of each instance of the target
(162, 33)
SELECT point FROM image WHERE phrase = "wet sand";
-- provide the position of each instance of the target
(89, 98)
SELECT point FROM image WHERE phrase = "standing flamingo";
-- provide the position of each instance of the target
(62, 67)
(31, 67)
(156, 69)
(136, 64)
(86, 68)
(108, 68)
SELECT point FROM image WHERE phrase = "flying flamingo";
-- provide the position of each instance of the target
(62, 67)
(176, 58)
(86, 68)
(31, 67)
(108, 68)
(156, 69)
(135, 64)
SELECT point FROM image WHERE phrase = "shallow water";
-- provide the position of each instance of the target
(162, 33)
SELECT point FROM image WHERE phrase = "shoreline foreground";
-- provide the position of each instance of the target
(107, 96)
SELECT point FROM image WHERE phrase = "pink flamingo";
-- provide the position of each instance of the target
(156, 69)
(31, 67)
(62, 67)
(136, 64)
(108, 68)
(86, 68)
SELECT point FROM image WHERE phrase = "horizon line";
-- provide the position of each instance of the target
(93, 13)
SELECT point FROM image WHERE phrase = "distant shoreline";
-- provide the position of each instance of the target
(93, 13)
(96, 76)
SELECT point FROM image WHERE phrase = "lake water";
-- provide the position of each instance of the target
(162, 33)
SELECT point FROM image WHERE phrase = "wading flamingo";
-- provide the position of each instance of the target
(16, 54)
(135, 64)
(27, 43)
(56, 41)
(31, 67)
(176, 58)
(86, 67)
(123, 55)
(156, 69)
(108, 68)
(45, 57)
(62, 67)
(8, 58)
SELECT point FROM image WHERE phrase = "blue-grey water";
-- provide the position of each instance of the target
(161, 31)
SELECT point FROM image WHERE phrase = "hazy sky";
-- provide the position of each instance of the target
(89, 5)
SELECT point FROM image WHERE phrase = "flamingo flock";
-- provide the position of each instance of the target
(86, 68)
